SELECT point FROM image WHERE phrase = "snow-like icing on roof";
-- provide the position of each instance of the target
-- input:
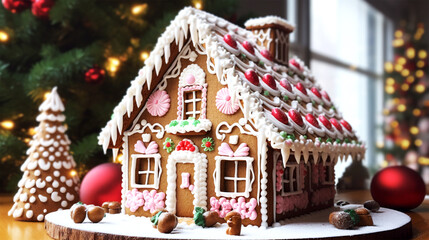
(261, 21)
(53, 102)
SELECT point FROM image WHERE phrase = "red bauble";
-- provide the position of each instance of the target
(102, 184)
(95, 75)
(398, 187)
(41, 8)
(16, 5)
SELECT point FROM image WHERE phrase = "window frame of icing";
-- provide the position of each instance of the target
(328, 167)
(182, 101)
(156, 172)
(250, 176)
(291, 167)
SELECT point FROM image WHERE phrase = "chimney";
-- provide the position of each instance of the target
(273, 33)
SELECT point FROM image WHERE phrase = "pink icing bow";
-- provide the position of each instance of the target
(151, 148)
(242, 150)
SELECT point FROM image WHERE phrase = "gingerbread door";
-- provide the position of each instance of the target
(186, 176)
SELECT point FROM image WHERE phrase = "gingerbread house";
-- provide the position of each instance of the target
(220, 118)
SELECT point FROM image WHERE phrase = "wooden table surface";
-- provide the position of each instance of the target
(16, 230)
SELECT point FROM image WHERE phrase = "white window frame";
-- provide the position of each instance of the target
(329, 165)
(156, 171)
(250, 177)
(291, 167)
(192, 100)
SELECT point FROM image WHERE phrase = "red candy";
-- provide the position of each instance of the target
(326, 96)
(336, 124)
(294, 63)
(284, 83)
(266, 54)
(248, 46)
(230, 41)
(185, 146)
(269, 80)
(312, 120)
(252, 77)
(316, 92)
(296, 117)
(301, 88)
(279, 115)
(208, 144)
(325, 122)
(346, 125)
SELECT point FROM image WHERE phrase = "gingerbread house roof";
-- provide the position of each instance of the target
(282, 101)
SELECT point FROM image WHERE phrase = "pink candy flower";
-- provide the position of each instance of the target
(158, 103)
(224, 103)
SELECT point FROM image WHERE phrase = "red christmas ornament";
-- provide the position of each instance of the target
(269, 80)
(301, 88)
(252, 77)
(312, 120)
(230, 41)
(296, 117)
(248, 46)
(398, 187)
(325, 122)
(102, 184)
(285, 83)
(41, 8)
(316, 92)
(16, 5)
(336, 124)
(279, 115)
(266, 54)
(95, 75)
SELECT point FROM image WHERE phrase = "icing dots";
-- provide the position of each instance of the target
(40, 217)
(224, 102)
(158, 103)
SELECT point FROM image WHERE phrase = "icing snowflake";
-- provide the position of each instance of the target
(224, 103)
(158, 103)
(208, 144)
(153, 200)
(169, 145)
(134, 200)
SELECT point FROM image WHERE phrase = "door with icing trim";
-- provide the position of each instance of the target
(184, 189)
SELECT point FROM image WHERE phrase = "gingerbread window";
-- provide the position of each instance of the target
(291, 180)
(328, 172)
(145, 170)
(233, 176)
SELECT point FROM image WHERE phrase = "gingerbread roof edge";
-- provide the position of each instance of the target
(261, 21)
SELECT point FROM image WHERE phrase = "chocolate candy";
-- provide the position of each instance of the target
(78, 213)
(211, 218)
(233, 220)
(167, 222)
(341, 220)
(105, 206)
(372, 205)
(114, 207)
(95, 214)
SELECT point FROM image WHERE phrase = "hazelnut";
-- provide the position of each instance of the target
(371, 205)
(105, 206)
(211, 218)
(114, 207)
(167, 222)
(78, 213)
(95, 214)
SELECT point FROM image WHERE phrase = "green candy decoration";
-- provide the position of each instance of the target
(155, 218)
(199, 217)
(353, 215)
(168, 145)
(208, 144)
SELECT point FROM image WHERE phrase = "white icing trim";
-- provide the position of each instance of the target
(196, 71)
(204, 125)
(261, 21)
(53, 102)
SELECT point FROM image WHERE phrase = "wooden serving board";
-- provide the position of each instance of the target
(389, 224)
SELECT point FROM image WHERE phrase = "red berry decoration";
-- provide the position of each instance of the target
(102, 184)
(208, 144)
(252, 77)
(316, 92)
(266, 54)
(346, 125)
(398, 187)
(301, 88)
(41, 8)
(312, 120)
(296, 117)
(269, 80)
(16, 5)
(185, 145)
(248, 46)
(279, 115)
(95, 75)
(230, 41)
(326, 96)
(325, 122)
(285, 83)
(294, 63)
(336, 124)
(168, 144)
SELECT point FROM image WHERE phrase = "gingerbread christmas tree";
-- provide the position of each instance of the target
(49, 181)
